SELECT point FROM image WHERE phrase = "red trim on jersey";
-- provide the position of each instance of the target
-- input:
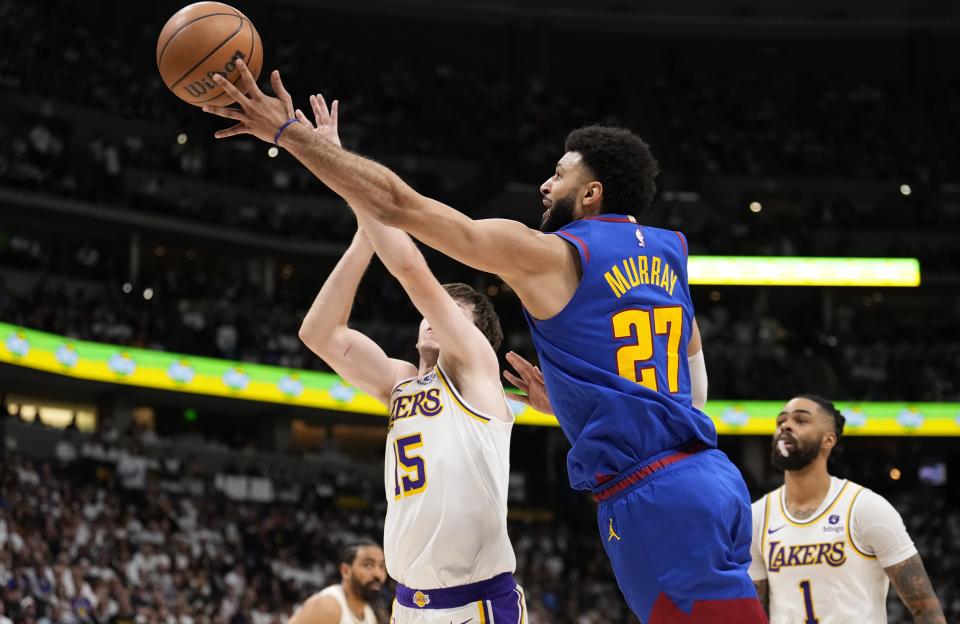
(683, 243)
(579, 241)
(611, 219)
(649, 469)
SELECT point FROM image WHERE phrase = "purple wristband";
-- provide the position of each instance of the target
(276, 137)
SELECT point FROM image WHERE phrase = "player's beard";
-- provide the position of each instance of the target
(368, 591)
(559, 214)
(801, 455)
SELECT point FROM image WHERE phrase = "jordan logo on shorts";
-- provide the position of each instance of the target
(613, 534)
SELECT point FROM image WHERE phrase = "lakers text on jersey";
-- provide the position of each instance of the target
(446, 476)
(819, 569)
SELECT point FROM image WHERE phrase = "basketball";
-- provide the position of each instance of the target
(203, 39)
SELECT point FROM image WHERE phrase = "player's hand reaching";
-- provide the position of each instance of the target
(325, 119)
(529, 381)
(259, 114)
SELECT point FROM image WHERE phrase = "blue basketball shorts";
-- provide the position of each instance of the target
(677, 531)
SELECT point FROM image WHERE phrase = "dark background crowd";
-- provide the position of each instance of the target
(122, 190)
(125, 526)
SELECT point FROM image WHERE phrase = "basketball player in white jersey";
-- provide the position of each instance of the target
(362, 574)
(825, 550)
(448, 443)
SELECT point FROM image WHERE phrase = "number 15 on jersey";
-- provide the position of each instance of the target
(410, 471)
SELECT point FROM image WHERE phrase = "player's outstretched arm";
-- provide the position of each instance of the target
(915, 590)
(465, 353)
(352, 355)
(508, 248)
(464, 350)
(317, 610)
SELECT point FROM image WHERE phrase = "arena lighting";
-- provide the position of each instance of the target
(272, 152)
(256, 382)
(756, 206)
(796, 271)
(905, 189)
(181, 138)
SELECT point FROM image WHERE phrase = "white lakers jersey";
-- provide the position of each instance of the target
(446, 476)
(346, 615)
(828, 568)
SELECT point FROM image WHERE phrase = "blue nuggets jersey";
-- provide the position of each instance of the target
(615, 358)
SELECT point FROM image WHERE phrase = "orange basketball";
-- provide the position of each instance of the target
(203, 39)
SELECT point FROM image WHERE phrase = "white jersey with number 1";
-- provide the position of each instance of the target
(446, 476)
(828, 568)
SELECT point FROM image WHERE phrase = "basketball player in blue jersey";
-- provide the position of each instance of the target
(612, 320)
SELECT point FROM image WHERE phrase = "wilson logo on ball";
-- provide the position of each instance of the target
(200, 41)
(200, 87)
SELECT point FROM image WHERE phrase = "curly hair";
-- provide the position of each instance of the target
(622, 162)
(484, 315)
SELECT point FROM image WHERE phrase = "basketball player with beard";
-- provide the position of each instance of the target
(825, 550)
(609, 309)
(362, 573)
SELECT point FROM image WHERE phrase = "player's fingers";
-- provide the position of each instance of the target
(280, 90)
(334, 113)
(302, 118)
(521, 365)
(249, 84)
(235, 94)
(317, 111)
(324, 109)
(536, 369)
(239, 128)
(521, 398)
(224, 111)
(516, 381)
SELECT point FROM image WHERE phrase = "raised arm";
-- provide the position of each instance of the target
(465, 352)
(528, 260)
(352, 355)
(913, 586)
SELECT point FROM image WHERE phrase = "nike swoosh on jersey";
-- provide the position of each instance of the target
(772, 531)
